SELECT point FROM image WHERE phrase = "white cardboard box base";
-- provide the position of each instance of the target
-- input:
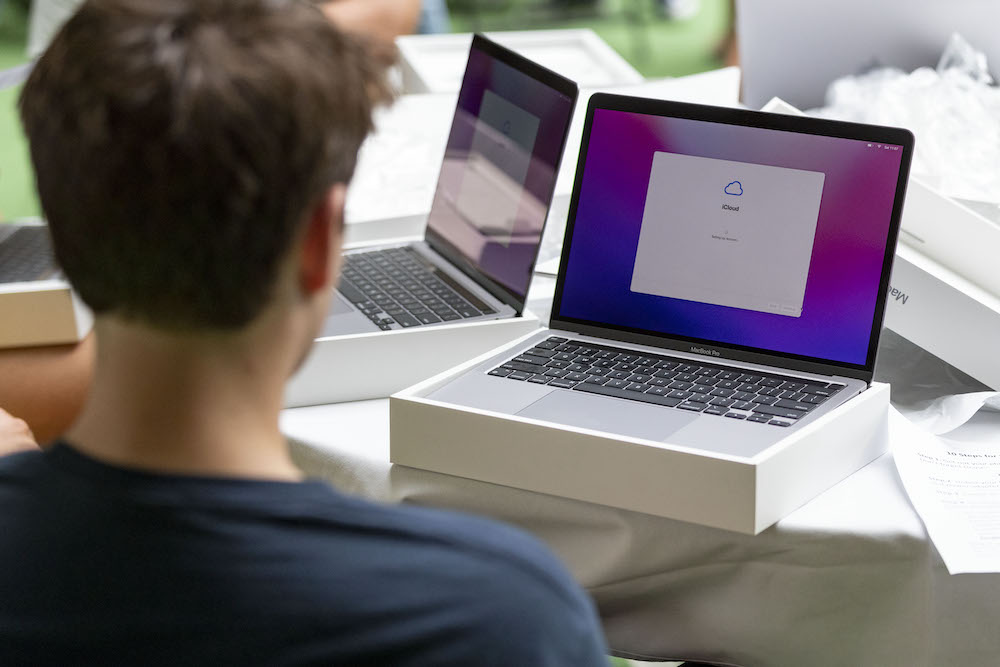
(374, 365)
(44, 312)
(741, 494)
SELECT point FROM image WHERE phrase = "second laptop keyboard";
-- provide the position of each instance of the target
(669, 381)
(26, 255)
(397, 288)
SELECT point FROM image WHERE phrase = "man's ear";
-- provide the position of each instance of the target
(320, 249)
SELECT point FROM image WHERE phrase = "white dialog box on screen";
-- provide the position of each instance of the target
(497, 167)
(728, 233)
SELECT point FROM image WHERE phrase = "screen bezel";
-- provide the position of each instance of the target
(744, 118)
(559, 84)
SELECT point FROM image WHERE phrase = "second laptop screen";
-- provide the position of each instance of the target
(499, 169)
(734, 235)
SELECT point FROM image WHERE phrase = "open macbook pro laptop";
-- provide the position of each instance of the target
(486, 220)
(723, 278)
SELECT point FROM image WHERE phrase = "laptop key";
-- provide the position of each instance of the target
(759, 419)
(350, 292)
(539, 379)
(428, 318)
(563, 383)
(605, 390)
(500, 372)
(693, 406)
(519, 375)
(778, 412)
(715, 410)
(525, 367)
(778, 422)
(793, 405)
(678, 393)
(736, 415)
(531, 359)
(407, 320)
(637, 386)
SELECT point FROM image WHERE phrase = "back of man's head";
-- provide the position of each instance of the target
(178, 145)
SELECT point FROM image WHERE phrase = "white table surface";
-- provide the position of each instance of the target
(850, 578)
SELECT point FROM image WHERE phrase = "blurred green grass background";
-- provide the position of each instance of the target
(640, 30)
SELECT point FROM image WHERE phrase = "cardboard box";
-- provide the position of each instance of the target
(735, 493)
(374, 365)
(949, 316)
(435, 63)
(42, 312)
(945, 286)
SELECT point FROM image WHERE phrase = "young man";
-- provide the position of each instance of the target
(192, 158)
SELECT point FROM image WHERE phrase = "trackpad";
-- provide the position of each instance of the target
(613, 415)
(339, 304)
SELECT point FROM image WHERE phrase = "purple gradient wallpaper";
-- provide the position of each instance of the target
(847, 254)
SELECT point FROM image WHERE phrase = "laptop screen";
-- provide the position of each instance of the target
(732, 233)
(500, 166)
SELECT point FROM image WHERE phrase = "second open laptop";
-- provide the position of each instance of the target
(723, 278)
(486, 220)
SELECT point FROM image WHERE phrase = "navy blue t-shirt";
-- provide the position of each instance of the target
(106, 565)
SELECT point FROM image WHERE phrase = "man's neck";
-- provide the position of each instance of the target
(187, 403)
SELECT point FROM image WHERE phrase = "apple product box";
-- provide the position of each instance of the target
(730, 492)
(946, 314)
(945, 287)
(41, 312)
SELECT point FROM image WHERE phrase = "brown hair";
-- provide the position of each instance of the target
(178, 145)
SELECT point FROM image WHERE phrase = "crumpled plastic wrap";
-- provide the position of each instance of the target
(953, 110)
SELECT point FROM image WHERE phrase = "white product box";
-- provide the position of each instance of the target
(360, 366)
(945, 286)
(945, 314)
(41, 312)
(435, 63)
(735, 493)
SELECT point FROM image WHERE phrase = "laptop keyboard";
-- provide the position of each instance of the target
(26, 255)
(764, 398)
(397, 288)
